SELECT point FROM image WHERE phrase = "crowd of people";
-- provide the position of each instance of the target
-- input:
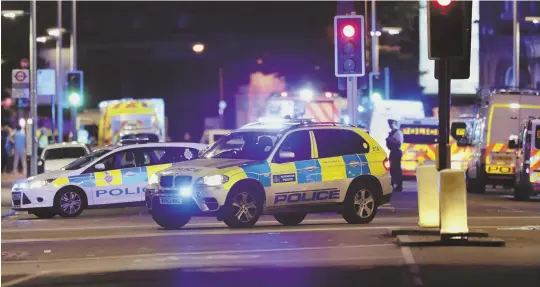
(14, 148)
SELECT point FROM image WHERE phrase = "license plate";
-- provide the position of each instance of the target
(170, 200)
(16, 196)
(502, 158)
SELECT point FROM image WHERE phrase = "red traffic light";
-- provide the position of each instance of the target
(348, 31)
(444, 3)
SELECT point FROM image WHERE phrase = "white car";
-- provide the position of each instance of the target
(56, 156)
(106, 177)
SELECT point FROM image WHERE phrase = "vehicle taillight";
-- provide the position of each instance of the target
(386, 164)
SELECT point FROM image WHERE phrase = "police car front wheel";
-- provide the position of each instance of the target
(360, 206)
(171, 221)
(243, 209)
(70, 202)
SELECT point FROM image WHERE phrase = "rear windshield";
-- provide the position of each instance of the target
(537, 137)
(420, 134)
(66, 152)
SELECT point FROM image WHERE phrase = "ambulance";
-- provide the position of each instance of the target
(500, 114)
(527, 177)
(419, 139)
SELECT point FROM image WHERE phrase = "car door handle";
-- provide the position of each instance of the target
(130, 173)
(311, 168)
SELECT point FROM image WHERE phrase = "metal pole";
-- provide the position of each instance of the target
(33, 87)
(73, 56)
(221, 97)
(374, 40)
(354, 94)
(386, 83)
(515, 64)
(444, 113)
(59, 75)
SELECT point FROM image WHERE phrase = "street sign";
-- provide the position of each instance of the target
(20, 80)
(24, 63)
(46, 82)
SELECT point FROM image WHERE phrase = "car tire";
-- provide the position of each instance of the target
(360, 205)
(290, 218)
(243, 208)
(69, 202)
(171, 221)
(44, 213)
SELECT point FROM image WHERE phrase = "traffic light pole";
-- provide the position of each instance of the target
(33, 88)
(352, 99)
(74, 63)
(59, 75)
(444, 113)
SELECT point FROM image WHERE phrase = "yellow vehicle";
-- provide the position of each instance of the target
(527, 179)
(500, 114)
(129, 117)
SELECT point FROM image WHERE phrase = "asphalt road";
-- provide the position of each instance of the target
(123, 247)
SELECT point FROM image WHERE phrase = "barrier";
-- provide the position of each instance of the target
(453, 203)
(427, 178)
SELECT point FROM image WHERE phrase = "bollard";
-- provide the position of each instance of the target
(427, 178)
(453, 202)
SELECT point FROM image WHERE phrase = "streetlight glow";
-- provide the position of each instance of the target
(41, 39)
(12, 14)
(55, 32)
(198, 48)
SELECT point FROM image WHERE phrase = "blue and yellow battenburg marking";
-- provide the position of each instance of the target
(125, 176)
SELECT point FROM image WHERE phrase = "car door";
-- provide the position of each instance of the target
(120, 181)
(341, 157)
(535, 153)
(294, 179)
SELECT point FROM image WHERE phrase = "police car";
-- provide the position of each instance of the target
(286, 169)
(527, 177)
(106, 177)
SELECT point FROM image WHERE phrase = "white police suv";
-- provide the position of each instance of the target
(106, 177)
(285, 169)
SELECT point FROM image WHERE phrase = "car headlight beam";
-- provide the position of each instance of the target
(40, 183)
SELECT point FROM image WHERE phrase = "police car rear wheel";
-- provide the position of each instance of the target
(290, 218)
(360, 206)
(69, 203)
(243, 210)
(171, 221)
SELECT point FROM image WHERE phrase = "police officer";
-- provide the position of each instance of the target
(393, 142)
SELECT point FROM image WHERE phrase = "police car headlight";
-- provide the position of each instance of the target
(153, 179)
(40, 183)
(213, 180)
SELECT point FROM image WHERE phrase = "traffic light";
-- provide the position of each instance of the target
(349, 46)
(75, 88)
(449, 25)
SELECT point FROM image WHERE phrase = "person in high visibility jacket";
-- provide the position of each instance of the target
(393, 143)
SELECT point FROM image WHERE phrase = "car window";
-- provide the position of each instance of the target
(251, 145)
(126, 159)
(174, 154)
(333, 142)
(64, 152)
(297, 142)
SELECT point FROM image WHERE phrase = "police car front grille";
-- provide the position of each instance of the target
(180, 181)
(170, 181)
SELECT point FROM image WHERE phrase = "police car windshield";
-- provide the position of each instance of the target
(243, 145)
(85, 160)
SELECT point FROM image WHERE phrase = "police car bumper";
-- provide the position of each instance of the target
(193, 200)
(28, 199)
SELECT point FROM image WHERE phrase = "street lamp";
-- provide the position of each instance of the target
(198, 48)
(12, 14)
(55, 32)
(534, 19)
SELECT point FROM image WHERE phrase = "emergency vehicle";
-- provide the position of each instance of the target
(500, 114)
(527, 177)
(129, 116)
(107, 177)
(287, 170)
(420, 139)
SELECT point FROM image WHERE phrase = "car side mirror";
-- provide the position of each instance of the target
(99, 166)
(283, 155)
(512, 144)
(458, 130)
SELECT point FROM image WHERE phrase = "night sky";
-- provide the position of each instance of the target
(292, 38)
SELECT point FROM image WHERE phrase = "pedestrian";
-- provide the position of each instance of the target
(82, 135)
(19, 140)
(187, 137)
(393, 142)
(8, 147)
(5, 139)
(43, 140)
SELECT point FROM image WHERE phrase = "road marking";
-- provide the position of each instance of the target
(200, 253)
(414, 269)
(220, 224)
(223, 231)
(24, 279)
